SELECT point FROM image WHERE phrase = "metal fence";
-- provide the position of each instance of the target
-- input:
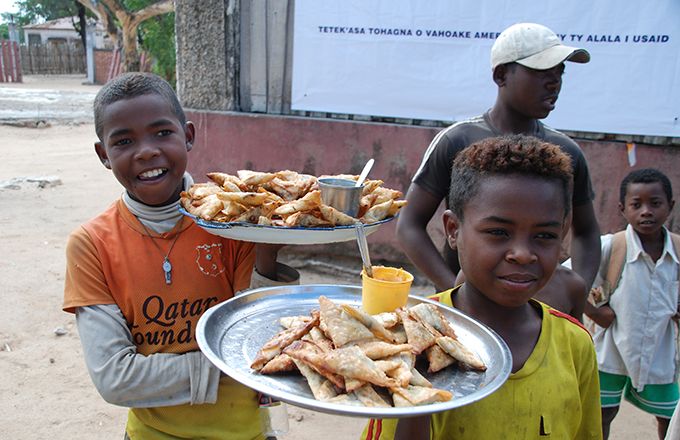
(52, 59)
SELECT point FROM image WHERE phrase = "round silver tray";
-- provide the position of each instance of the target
(282, 235)
(231, 333)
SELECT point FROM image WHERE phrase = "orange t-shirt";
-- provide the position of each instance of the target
(112, 260)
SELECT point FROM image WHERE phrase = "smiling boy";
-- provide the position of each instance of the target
(510, 199)
(636, 333)
(140, 275)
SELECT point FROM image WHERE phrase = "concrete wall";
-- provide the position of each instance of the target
(207, 53)
(231, 141)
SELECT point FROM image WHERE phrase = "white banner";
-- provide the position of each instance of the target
(430, 59)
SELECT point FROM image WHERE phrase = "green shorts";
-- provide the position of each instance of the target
(658, 400)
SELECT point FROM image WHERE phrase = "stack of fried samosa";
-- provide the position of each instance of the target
(285, 198)
(353, 358)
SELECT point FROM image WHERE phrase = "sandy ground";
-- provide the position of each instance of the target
(50, 182)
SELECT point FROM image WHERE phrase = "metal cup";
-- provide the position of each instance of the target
(341, 194)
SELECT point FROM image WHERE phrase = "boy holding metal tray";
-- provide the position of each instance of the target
(510, 201)
(140, 275)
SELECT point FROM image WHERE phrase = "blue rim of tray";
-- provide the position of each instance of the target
(230, 225)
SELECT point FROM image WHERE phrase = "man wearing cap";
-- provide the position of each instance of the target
(527, 62)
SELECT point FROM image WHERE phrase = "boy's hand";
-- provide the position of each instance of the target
(603, 316)
(265, 259)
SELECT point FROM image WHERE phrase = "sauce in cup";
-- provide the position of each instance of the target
(386, 291)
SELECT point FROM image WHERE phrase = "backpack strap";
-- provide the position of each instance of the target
(675, 239)
(617, 259)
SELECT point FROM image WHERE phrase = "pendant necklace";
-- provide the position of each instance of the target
(167, 267)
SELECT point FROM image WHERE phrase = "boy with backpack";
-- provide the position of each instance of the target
(634, 304)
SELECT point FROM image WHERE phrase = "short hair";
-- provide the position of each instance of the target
(507, 155)
(646, 175)
(131, 85)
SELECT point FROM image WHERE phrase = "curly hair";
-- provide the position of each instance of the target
(508, 155)
(131, 85)
(646, 175)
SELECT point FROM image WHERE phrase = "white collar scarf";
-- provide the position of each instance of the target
(159, 218)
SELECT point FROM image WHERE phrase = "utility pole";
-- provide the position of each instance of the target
(12, 28)
(89, 51)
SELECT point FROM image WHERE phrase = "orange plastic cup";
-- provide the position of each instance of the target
(386, 291)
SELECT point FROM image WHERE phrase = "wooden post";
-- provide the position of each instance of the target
(5, 61)
(254, 57)
(276, 24)
(2, 62)
(266, 56)
(17, 62)
(11, 75)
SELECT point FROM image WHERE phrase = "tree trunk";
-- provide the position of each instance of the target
(130, 53)
(82, 19)
(106, 18)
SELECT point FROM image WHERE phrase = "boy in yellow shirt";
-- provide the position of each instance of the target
(510, 199)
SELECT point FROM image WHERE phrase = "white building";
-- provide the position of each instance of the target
(61, 30)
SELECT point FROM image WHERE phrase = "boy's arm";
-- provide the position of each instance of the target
(268, 271)
(126, 378)
(603, 316)
(416, 242)
(577, 291)
(585, 243)
(256, 266)
(413, 428)
(265, 259)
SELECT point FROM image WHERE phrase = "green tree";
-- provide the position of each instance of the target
(128, 16)
(33, 11)
(157, 37)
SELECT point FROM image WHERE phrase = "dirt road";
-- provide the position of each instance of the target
(45, 391)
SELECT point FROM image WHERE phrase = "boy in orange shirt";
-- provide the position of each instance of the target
(140, 275)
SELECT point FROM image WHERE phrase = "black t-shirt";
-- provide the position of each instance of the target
(434, 173)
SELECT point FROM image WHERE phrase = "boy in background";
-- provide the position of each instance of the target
(510, 199)
(527, 61)
(140, 275)
(636, 332)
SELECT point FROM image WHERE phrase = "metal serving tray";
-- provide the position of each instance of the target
(282, 235)
(231, 333)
